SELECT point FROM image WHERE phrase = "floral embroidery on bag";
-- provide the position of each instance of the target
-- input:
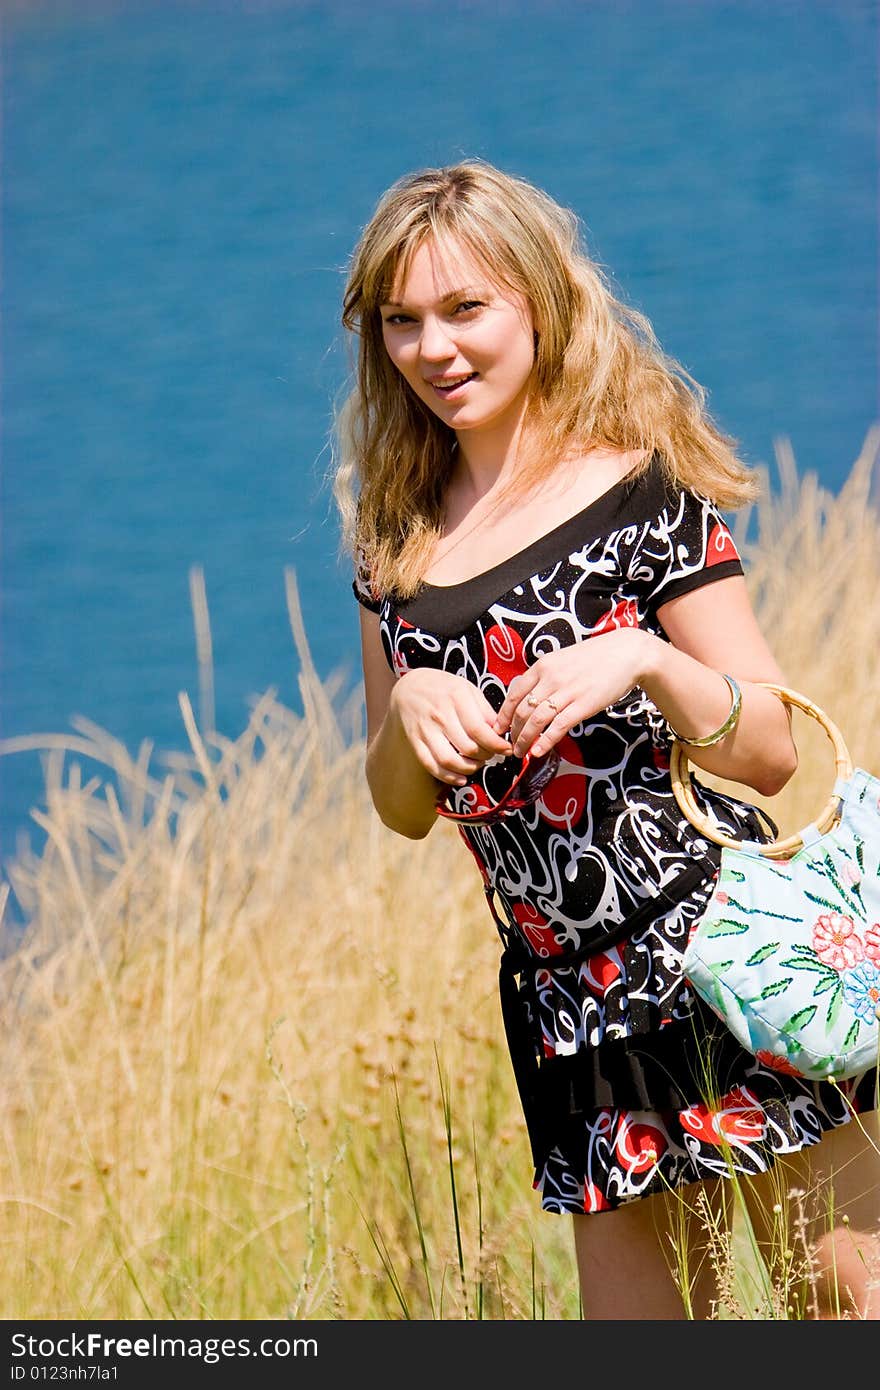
(836, 941)
(788, 953)
(861, 989)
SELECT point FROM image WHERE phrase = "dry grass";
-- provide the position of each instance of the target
(253, 1058)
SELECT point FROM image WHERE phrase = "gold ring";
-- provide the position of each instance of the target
(533, 702)
(555, 708)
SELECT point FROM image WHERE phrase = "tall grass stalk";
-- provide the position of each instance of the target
(416, 1208)
(233, 982)
(456, 1214)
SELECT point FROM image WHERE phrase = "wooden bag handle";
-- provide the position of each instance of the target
(776, 849)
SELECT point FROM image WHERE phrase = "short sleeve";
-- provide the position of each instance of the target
(688, 546)
(362, 585)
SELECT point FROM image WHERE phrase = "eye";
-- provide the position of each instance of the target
(468, 305)
(396, 319)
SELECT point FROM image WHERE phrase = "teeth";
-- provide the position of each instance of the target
(456, 381)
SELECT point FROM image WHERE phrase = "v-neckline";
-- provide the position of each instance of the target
(547, 539)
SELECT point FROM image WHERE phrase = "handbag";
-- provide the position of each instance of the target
(787, 952)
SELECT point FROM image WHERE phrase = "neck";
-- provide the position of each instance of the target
(488, 458)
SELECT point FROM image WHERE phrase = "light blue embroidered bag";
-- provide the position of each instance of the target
(787, 952)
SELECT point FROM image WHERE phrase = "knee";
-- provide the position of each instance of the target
(846, 1274)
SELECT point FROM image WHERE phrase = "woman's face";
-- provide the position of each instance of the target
(463, 344)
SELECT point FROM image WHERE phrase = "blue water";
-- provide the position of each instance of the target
(182, 184)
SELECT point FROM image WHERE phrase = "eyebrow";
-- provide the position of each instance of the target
(467, 292)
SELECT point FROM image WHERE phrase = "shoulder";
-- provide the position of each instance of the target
(655, 493)
(651, 486)
(684, 541)
(362, 584)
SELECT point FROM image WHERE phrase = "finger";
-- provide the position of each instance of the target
(517, 692)
(473, 726)
(548, 721)
(483, 743)
(453, 762)
(521, 699)
(485, 728)
(478, 741)
(442, 760)
(531, 714)
(551, 735)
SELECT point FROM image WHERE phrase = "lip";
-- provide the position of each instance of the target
(448, 392)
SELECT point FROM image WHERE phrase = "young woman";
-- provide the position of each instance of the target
(533, 492)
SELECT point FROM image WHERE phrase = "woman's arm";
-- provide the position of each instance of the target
(714, 629)
(403, 791)
(711, 629)
(425, 729)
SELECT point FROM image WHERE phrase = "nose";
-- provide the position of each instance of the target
(435, 344)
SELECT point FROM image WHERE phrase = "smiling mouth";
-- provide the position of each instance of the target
(445, 387)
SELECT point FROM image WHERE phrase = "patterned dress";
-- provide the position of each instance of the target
(628, 1085)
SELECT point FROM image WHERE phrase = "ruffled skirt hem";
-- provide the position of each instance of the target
(606, 1157)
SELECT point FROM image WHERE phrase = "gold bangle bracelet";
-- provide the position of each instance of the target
(729, 724)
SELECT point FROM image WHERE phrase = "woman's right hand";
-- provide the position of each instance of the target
(448, 722)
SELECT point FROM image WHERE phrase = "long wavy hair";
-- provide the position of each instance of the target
(599, 378)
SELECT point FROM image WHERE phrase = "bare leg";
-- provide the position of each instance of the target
(625, 1260)
(835, 1187)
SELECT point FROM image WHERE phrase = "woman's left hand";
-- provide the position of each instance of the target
(569, 685)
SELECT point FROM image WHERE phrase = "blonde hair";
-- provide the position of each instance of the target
(599, 376)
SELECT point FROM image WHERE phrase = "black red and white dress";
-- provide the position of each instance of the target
(617, 1095)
